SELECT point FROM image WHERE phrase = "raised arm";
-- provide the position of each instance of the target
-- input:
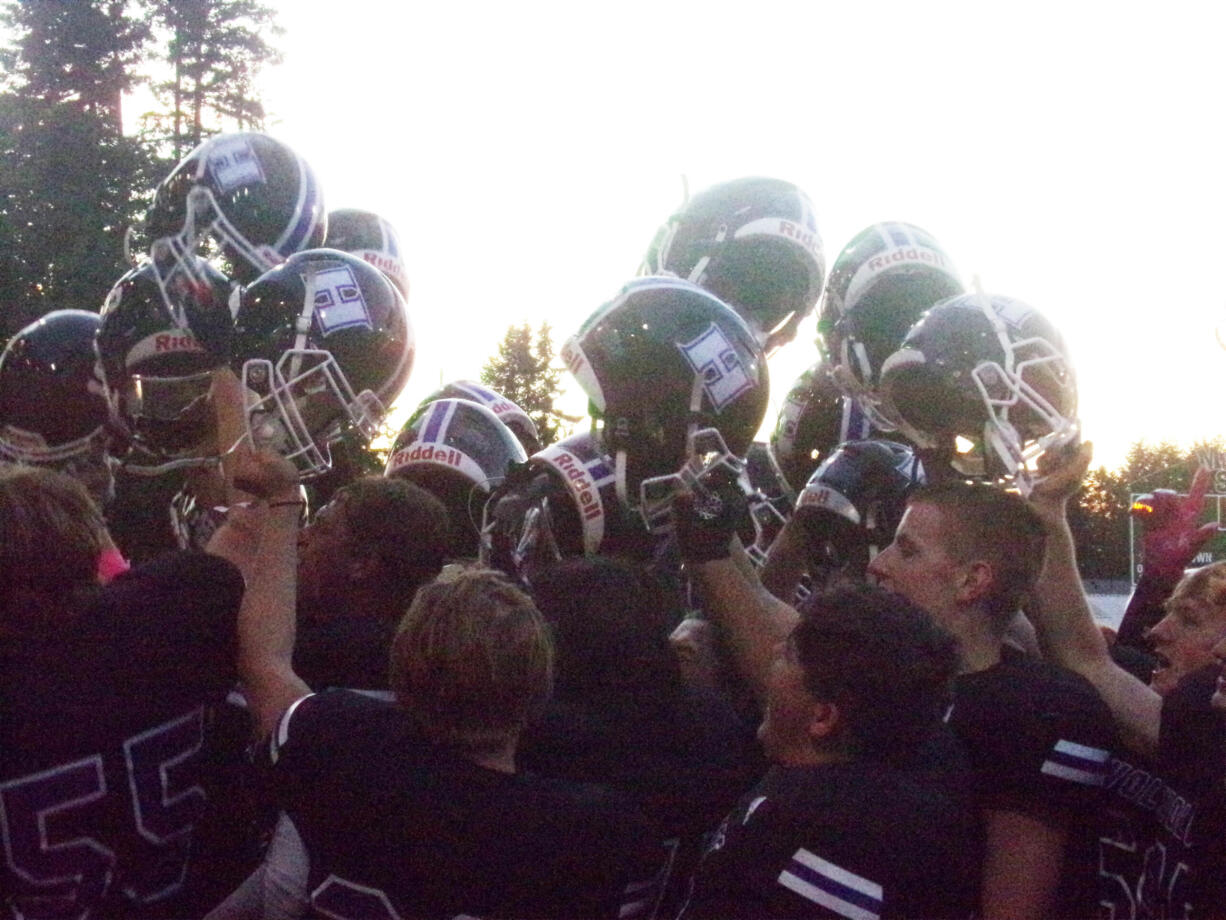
(753, 620)
(1062, 617)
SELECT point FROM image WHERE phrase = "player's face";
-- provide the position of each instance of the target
(1184, 640)
(323, 554)
(789, 711)
(918, 566)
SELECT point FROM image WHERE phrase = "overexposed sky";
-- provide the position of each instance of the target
(1069, 154)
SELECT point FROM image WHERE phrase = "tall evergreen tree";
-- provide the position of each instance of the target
(525, 372)
(214, 51)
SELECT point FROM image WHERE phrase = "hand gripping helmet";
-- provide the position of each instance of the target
(157, 370)
(754, 244)
(508, 413)
(880, 283)
(53, 406)
(369, 237)
(322, 344)
(990, 369)
(852, 504)
(249, 194)
(661, 362)
(815, 418)
(459, 451)
(562, 503)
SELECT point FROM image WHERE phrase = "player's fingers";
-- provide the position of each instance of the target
(1200, 485)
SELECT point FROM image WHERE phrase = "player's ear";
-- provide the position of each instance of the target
(825, 722)
(975, 581)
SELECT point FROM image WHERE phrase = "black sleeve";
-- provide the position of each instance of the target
(175, 621)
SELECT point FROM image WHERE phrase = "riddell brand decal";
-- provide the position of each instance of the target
(789, 230)
(581, 485)
(164, 343)
(572, 357)
(432, 452)
(909, 254)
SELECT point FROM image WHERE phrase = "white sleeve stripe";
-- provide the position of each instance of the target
(281, 735)
(1082, 750)
(1060, 771)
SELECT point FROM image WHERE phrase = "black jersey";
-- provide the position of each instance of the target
(1038, 738)
(393, 823)
(855, 840)
(1162, 854)
(103, 729)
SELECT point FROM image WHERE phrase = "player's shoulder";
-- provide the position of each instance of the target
(1026, 688)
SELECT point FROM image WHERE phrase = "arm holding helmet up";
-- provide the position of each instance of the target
(264, 536)
(1061, 612)
(754, 621)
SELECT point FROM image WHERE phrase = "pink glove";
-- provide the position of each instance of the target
(1172, 537)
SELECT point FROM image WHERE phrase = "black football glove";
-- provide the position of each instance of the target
(707, 519)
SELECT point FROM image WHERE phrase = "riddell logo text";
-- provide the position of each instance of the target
(584, 489)
(382, 262)
(806, 238)
(913, 254)
(168, 341)
(572, 358)
(426, 452)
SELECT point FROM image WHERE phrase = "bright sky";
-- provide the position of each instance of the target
(1069, 154)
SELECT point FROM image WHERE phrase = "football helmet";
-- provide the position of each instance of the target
(562, 503)
(769, 500)
(157, 371)
(248, 194)
(854, 500)
(815, 418)
(508, 413)
(990, 369)
(459, 451)
(754, 244)
(322, 343)
(879, 285)
(53, 405)
(369, 237)
(661, 362)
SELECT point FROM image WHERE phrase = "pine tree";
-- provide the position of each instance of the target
(526, 373)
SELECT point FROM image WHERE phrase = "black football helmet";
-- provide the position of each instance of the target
(459, 451)
(563, 502)
(815, 418)
(53, 406)
(157, 371)
(660, 363)
(369, 237)
(248, 194)
(854, 500)
(879, 285)
(508, 413)
(754, 244)
(322, 343)
(989, 369)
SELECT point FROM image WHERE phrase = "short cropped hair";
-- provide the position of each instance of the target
(472, 660)
(1204, 587)
(998, 527)
(883, 661)
(402, 525)
(611, 622)
(51, 534)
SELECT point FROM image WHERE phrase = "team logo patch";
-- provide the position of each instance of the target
(724, 378)
(339, 303)
(233, 164)
(1077, 763)
(847, 894)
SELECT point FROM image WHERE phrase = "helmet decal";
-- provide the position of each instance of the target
(338, 298)
(714, 358)
(584, 480)
(160, 343)
(233, 164)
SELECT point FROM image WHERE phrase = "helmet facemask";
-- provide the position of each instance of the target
(709, 465)
(302, 403)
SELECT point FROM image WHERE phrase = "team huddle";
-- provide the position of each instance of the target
(655, 669)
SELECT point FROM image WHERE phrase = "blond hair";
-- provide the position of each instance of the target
(1203, 587)
(472, 660)
(51, 534)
